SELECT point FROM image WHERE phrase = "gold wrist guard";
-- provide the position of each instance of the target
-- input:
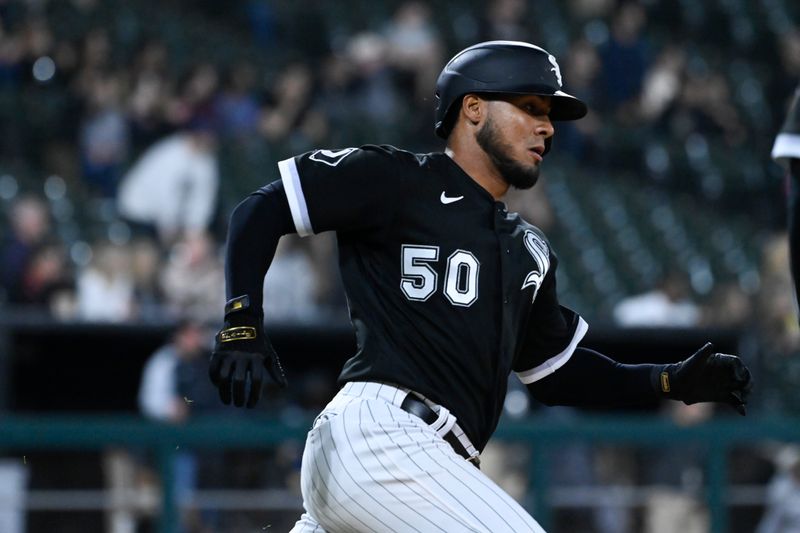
(239, 333)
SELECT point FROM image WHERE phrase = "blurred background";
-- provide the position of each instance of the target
(130, 129)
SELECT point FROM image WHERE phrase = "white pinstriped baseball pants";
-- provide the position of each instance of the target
(370, 466)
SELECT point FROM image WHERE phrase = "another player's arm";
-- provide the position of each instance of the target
(786, 151)
(794, 223)
(578, 376)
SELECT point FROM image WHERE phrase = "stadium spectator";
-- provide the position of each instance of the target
(380, 100)
(104, 137)
(194, 102)
(414, 47)
(105, 289)
(667, 305)
(706, 101)
(172, 189)
(149, 94)
(663, 83)
(582, 67)
(292, 291)
(287, 103)
(192, 279)
(146, 267)
(777, 329)
(505, 20)
(676, 473)
(29, 221)
(174, 386)
(625, 57)
(47, 283)
(782, 514)
(236, 107)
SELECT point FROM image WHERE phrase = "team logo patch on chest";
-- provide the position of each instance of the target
(541, 256)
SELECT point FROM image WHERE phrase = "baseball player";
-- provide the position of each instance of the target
(786, 151)
(448, 294)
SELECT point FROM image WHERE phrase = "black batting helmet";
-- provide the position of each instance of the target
(510, 67)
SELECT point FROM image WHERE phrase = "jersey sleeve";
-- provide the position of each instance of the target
(787, 142)
(348, 189)
(552, 334)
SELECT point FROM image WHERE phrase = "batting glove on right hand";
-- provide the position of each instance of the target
(707, 376)
(243, 356)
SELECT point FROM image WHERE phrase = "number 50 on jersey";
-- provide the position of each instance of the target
(419, 280)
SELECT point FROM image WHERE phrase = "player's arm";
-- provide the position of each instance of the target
(590, 378)
(355, 189)
(559, 372)
(243, 358)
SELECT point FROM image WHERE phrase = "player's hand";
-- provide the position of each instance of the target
(707, 376)
(243, 360)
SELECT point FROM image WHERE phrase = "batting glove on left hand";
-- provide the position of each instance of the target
(707, 376)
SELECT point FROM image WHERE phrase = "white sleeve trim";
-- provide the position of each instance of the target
(294, 193)
(786, 145)
(557, 361)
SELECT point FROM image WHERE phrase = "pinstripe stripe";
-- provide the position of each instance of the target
(405, 430)
(452, 512)
(315, 492)
(347, 470)
(321, 502)
(394, 399)
(476, 475)
(502, 496)
(330, 492)
(412, 471)
(366, 440)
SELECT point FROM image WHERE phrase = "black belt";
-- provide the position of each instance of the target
(420, 409)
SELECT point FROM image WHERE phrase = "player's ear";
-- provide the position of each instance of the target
(473, 108)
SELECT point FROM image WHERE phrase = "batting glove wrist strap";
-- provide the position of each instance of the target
(243, 358)
(243, 331)
(706, 376)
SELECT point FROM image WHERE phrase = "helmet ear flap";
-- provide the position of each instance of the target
(547, 143)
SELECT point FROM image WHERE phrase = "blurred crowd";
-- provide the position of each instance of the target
(127, 149)
(129, 131)
(123, 149)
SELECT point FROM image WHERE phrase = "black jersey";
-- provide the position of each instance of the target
(447, 291)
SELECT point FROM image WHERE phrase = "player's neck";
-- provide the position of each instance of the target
(477, 165)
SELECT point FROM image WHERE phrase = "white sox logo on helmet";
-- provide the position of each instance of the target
(555, 68)
(541, 256)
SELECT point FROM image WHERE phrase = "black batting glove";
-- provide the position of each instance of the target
(243, 354)
(706, 376)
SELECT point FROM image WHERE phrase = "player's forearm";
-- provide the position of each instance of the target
(256, 226)
(590, 379)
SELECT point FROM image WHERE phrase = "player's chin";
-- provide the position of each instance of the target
(522, 176)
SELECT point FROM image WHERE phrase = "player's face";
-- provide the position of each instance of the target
(513, 136)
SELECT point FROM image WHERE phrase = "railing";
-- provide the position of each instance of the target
(94, 433)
